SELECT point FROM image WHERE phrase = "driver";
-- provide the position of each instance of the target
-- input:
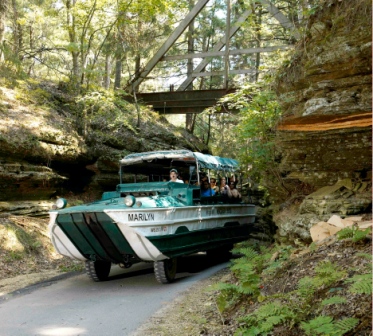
(174, 175)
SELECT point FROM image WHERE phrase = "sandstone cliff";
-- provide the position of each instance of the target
(43, 154)
(324, 137)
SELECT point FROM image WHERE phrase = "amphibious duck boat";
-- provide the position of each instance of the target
(148, 218)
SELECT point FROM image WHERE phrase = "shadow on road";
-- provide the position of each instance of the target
(186, 267)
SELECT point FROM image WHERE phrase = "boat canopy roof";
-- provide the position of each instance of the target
(204, 160)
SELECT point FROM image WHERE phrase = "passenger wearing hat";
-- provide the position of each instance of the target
(173, 176)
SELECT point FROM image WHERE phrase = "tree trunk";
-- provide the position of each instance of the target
(3, 6)
(17, 31)
(118, 67)
(188, 116)
(258, 41)
(70, 20)
(106, 83)
(208, 130)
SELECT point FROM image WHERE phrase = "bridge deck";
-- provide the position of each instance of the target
(180, 102)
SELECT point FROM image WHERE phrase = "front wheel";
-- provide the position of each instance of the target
(98, 270)
(165, 270)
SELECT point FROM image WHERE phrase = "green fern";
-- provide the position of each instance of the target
(324, 325)
(248, 252)
(328, 273)
(365, 255)
(242, 268)
(250, 287)
(347, 232)
(307, 287)
(361, 284)
(265, 318)
(273, 267)
(321, 325)
(345, 325)
(361, 234)
(333, 300)
(354, 233)
(229, 293)
(252, 331)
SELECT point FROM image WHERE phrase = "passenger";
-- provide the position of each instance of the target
(202, 177)
(206, 191)
(174, 176)
(232, 191)
(223, 186)
(213, 185)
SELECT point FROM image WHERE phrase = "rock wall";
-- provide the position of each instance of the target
(42, 155)
(325, 136)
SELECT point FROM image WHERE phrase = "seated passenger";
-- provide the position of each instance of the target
(232, 191)
(213, 185)
(223, 186)
(202, 177)
(206, 191)
(174, 176)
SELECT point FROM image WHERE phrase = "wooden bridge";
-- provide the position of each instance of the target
(185, 100)
(181, 102)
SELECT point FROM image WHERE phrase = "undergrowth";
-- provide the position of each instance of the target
(298, 307)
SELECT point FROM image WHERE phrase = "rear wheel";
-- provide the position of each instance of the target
(98, 270)
(165, 270)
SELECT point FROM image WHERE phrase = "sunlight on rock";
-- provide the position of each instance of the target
(61, 331)
(11, 241)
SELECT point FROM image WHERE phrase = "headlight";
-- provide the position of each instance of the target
(129, 200)
(60, 203)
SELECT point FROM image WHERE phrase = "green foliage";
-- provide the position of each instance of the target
(14, 255)
(27, 240)
(307, 287)
(103, 110)
(252, 137)
(30, 91)
(228, 295)
(361, 284)
(345, 325)
(327, 273)
(262, 321)
(247, 270)
(354, 233)
(259, 111)
(324, 325)
(318, 326)
(282, 255)
(292, 307)
(333, 300)
(76, 267)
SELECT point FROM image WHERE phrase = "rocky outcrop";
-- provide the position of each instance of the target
(43, 154)
(324, 138)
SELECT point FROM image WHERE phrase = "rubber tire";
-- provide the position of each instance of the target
(165, 270)
(98, 270)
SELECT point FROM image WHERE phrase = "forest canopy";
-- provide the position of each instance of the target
(104, 43)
